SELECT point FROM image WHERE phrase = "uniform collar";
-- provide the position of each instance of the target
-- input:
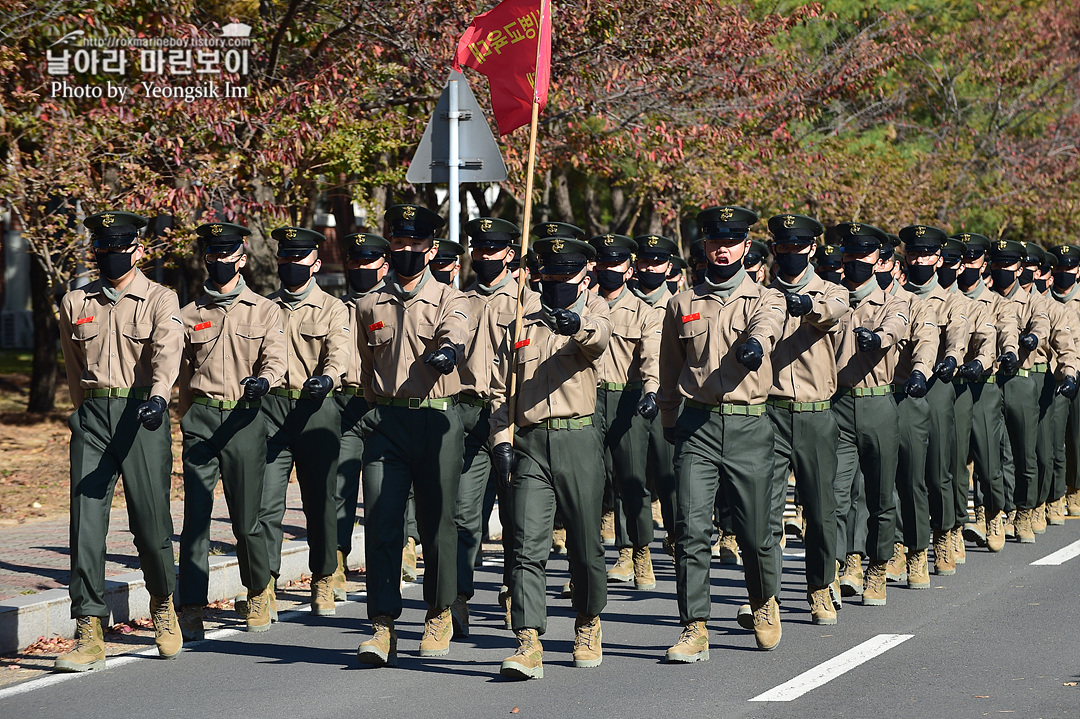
(139, 287)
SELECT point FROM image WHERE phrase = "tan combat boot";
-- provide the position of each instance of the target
(959, 551)
(943, 561)
(258, 616)
(834, 590)
(381, 649)
(528, 661)
(851, 578)
(567, 591)
(821, 607)
(88, 653)
(504, 604)
(408, 561)
(1055, 512)
(166, 626)
(607, 528)
(338, 582)
(975, 532)
(1022, 526)
(588, 650)
(435, 642)
(623, 571)
(1072, 501)
(657, 515)
(693, 645)
(322, 595)
(1010, 527)
(191, 623)
(896, 567)
(1038, 519)
(644, 577)
(873, 594)
(459, 616)
(918, 573)
(558, 541)
(995, 533)
(794, 525)
(767, 628)
(240, 604)
(669, 545)
(728, 551)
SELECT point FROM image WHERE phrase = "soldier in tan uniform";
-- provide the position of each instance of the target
(234, 352)
(302, 418)
(412, 337)
(1064, 494)
(121, 337)
(555, 455)
(715, 346)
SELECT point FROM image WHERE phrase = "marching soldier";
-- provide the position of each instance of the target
(828, 263)
(556, 454)
(1066, 291)
(447, 263)
(303, 424)
(122, 338)
(365, 267)
(676, 276)
(716, 343)
(234, 352)
(412, 337)
(754, 261)
(803, 383)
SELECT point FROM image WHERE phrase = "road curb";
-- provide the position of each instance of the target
(48, 613)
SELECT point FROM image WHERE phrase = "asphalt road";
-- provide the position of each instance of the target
(1000, 637)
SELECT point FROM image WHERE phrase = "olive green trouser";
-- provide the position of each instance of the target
(660, 471)
(626, 446)
(870, 441)
(347, 488)
(476, 471)
(1062, 407)
(229, 444)
(913, 525)
(1021, 402)
(734, 452)
(939, 455)
(107, 442)
(1072, 445)
(563, 467)
(962, 421)
(987, 440)
(406, 448)
(1045, 448)
(805, 443)
(854, 534)
(306, 433)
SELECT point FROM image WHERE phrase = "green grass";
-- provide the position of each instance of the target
(15, 361)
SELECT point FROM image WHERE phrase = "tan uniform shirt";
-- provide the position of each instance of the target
(804, 358)
(133, 343)
(886, 315)
(919, 350)
(1004, 316)
(947, 313)
(981, 344)
(556, 374)
(397, 330)
(700, 332)
(353, 374)
(633, 355)
(1032, 318)
(225, 344)
(492, 311)
(1060, 352)
(317, 337)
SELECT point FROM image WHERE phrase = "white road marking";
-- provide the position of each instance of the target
(1060, 556)
(827, 671)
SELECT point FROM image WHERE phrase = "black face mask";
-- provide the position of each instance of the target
(442, 276)
(919, 275)
(610, 279)
(1040, 285)
(590, 279)
(363, 279)
(723, 273)
(673, 287)
(1063, 281)
(1002, 279)
(968, 276)
(699, 276)
(884, 279)
(946, 276)
(649, 281)
(831, 276)
(221, 273)
(487, 270)
(792, 264)
(557, 294)
(408, 264)
(113, 265)
(1027, 275)
(293, 274)
(857, 272)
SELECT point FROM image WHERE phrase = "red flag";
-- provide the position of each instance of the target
(511, 45)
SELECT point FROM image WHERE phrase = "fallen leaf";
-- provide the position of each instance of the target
(1071, 684)
(514, 710)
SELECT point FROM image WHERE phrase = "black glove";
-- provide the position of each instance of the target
(566, 322)
(669, 435)
(868, 341)
(972, 371)
(1068, 387)
(444, 359)
(505, 461)
(647, 407)
(254, 387)
(1008, 363)
(945, 369)
(319, 387)
(152, 411)
(799, 305)
(916, 385)
(1029, 342)
(749, 354)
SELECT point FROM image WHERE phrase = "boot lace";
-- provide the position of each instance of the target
(586, 634)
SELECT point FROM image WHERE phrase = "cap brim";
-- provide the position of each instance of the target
(106, 243)
(562, 268)
(295, 251)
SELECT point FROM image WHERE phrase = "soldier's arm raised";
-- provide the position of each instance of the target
(595, 332)
(895, 322)
(767, 321)
(829, 306)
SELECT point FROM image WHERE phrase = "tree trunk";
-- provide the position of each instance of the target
(46, 342)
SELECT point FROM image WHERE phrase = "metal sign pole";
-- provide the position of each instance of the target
(454, 163)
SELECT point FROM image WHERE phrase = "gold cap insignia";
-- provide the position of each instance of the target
(855, 229)
(557, 245)
(485, 225)
(360, 239)
(1002, 244)
(215, 229)
(290, 233)
(608, 239)
(726, 214)
(965, 237)
(408, 213)
(107, 220)
(435, 244)
(789, 220)
(552, 229)
(652, 240)
(920, 231)
(829, 249)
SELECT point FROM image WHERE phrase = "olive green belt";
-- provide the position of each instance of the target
(867, 391)
(291, 393)
(1019, 373)
(352, 391)
(617, 387)
(1041, 367)
(989, 379)
(748, 410)
(473, 400)
(227, 403)
(799, 406)
(560, 423)
(119, 392)
(440, 403)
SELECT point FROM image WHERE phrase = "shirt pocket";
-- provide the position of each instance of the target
(312, 341)
(627, 331)
(425, 333)
(88, 337)
(695, 338)
(249, 340)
